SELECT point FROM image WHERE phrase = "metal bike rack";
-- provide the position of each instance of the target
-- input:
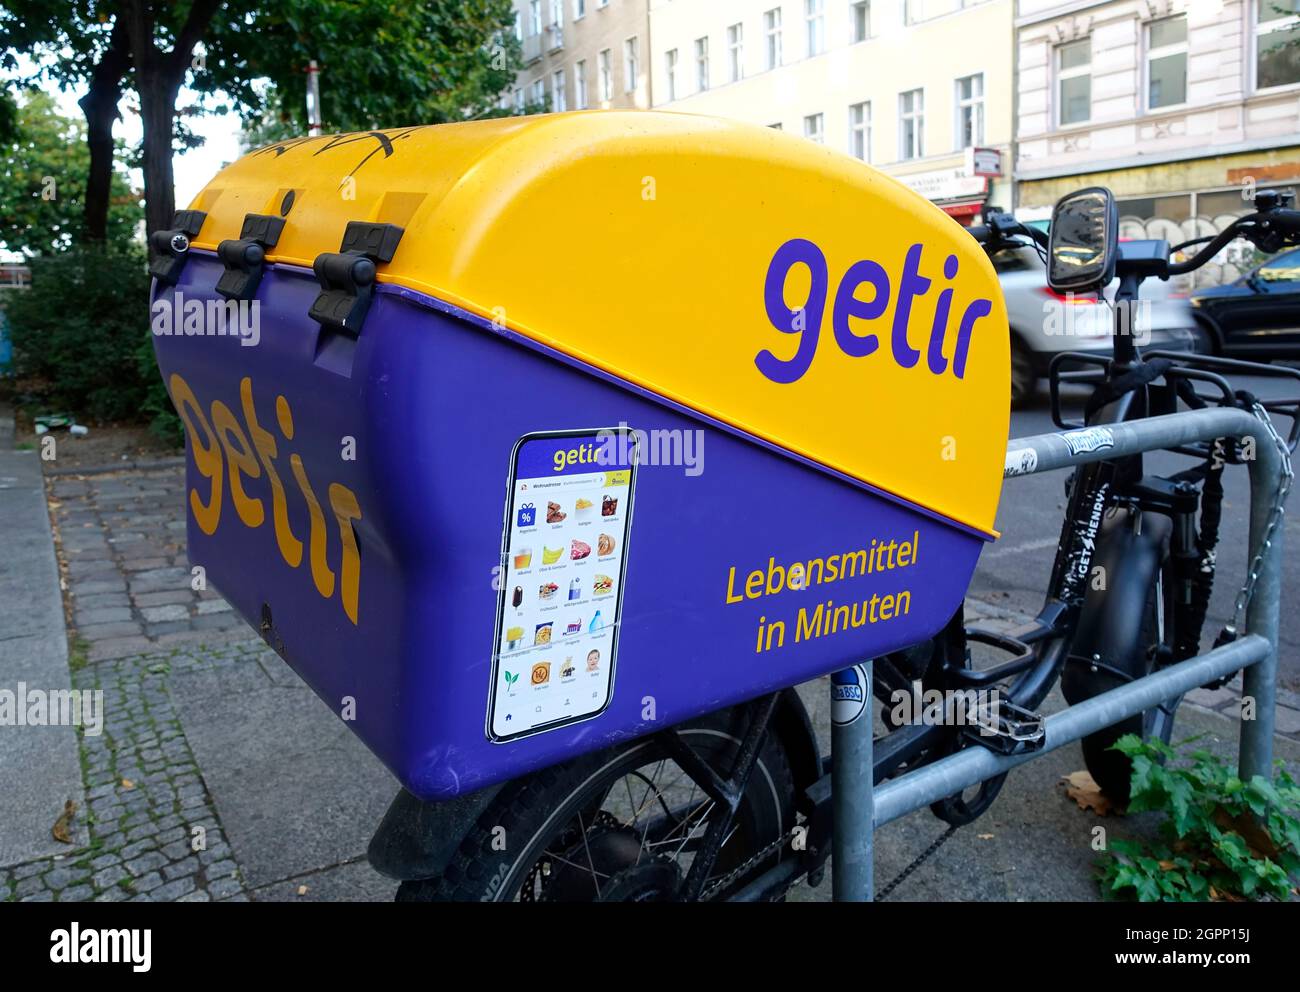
(858, 808)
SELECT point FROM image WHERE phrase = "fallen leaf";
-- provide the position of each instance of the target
(984, 836)
(1256, 837)
(1084, 790)
(127, 784)
(62, 829)
(302, 890)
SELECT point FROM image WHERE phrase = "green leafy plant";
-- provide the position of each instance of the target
(81, 339)
(1222, 837)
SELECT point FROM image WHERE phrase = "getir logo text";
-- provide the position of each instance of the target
(586, 454)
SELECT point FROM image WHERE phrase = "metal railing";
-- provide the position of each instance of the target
(858, 808)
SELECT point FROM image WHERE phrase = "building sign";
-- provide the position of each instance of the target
(983, 162)
(945, 184)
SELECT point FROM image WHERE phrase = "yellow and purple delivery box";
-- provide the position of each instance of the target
(517, 438)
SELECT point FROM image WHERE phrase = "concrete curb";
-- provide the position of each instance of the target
(40, 766)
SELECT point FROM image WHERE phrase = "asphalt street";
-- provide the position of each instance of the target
(1014, 571)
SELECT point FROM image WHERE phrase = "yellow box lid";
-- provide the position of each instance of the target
(678, 252)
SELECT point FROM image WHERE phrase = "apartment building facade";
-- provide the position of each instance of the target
(581, 55)
(1182, 107)
(914, 87)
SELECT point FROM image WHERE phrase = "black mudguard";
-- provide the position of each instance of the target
(1110, 644)
(416, 839)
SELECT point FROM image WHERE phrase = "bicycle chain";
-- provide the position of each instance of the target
(712, 890)
(763, 854)
(919, 860)
(1247, 590)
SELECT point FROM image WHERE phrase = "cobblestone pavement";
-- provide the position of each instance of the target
(155, 832)
(121, 547)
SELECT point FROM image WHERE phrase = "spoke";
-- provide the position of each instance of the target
(627, 782)
(587, 847)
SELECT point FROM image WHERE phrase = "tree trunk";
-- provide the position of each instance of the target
(158, 77)
(100, 107)
(158, 114)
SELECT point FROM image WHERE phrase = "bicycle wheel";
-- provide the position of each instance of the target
(1110, 769)
(622, 825)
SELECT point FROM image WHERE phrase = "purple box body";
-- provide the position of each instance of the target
(430, 402)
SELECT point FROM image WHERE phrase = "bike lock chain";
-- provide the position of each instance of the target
(1234, 628)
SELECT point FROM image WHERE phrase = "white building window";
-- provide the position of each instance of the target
(534, 17)
(970, 111)
(911, 124)
(520, 99)
(860, 130)
(670, 73)
(1277, 43)
(736, 52)
(606, 76)
(539, 95)
(558, 101)
(913, 11)
(579, 8)
(812, 128)
(557, 14)
(519, 25)
(1074, 82)
(602, 3)
(631, 65)
(861, 14)
(701, 64)
(772, 35)
(1167, 62)
(814, 12)
(580, 85)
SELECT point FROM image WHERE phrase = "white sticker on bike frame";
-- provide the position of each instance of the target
(1088, 439)
(1022, 461)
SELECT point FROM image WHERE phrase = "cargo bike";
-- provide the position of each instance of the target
(553, 452)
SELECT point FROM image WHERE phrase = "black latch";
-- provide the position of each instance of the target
(347, 277)
(171, 248)
(245, 258)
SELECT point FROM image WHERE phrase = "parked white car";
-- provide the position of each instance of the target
(1044, 323)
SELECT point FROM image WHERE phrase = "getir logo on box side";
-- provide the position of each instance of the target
(222, 447)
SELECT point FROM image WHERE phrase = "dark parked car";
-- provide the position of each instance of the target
(1258, 316)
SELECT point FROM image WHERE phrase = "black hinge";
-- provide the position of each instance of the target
(171, 247)
(347, 277)
(245, 258)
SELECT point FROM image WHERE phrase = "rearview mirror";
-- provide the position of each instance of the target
(1083, 241)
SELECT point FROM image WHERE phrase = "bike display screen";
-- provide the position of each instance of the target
(564, 552)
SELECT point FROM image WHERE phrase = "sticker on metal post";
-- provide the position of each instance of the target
(1088, 439)
(850, 688)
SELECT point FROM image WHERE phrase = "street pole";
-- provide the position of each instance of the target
(313, 99)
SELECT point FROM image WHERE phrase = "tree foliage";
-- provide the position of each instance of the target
(46, 165)
(383, 63)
